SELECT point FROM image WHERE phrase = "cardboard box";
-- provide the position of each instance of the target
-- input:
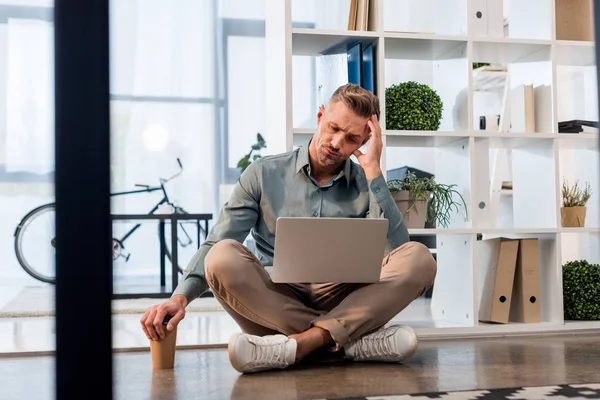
(574, 20)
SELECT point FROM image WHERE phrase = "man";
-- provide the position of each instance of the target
(284, 323)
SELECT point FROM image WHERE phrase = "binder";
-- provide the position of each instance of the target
(497, 270)
(525, 305)
(486, 18)
(478, 18)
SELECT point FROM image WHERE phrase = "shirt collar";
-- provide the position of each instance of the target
(302, 161)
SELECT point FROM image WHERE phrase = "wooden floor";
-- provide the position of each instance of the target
(437, 366)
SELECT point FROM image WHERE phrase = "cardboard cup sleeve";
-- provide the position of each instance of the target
(163, 350)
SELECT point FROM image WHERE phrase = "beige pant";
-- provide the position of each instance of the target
(260, 307)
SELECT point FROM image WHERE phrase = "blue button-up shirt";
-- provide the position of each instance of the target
(282, 186)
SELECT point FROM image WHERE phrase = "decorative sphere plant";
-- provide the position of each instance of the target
(581, 290)
(412, 106)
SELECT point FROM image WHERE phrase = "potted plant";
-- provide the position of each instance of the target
(581, 290)
(246, 160)
(423, 200)
(574, 198)
(412, 106)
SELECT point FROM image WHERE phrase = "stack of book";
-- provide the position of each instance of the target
(358, 20)
(577, 126)
(530, 109)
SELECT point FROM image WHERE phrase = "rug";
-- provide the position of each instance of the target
(558, 392)
(39, 302)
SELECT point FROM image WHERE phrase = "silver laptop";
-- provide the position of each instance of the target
(329, 250)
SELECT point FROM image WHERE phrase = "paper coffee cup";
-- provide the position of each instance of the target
(163, 350)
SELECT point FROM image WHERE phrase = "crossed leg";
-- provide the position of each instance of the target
(327, 313)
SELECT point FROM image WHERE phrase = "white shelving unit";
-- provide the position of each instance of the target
(458, 153)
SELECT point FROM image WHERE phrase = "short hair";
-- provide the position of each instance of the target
(361, 101)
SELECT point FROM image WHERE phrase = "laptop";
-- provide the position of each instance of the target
(329, 250)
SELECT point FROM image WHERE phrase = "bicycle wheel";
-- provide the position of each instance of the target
(35, 243)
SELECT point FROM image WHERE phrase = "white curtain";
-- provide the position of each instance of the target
(30, 96)
(161, 49)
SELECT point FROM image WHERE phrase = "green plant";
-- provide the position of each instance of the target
(574, 196)
(479, 65)
(246, 160)
(412, 106)
(442, 201)
(581, 290)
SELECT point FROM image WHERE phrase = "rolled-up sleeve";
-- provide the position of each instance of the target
(236, 219)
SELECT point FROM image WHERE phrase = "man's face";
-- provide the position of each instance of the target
(339, 133)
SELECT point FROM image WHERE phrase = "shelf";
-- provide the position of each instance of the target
(421, 138)
(579, 141)
(509, 140)
(502, 231)
(397, 138)
(574, 53)
(313, 42)
(510, 329)
(584, 229)
(461, 154)
(416, 46)
(506, 50)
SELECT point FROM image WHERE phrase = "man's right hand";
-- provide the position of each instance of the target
(152, 321)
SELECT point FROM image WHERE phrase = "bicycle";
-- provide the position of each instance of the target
(118, 247)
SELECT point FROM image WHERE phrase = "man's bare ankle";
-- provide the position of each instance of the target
(311, 340)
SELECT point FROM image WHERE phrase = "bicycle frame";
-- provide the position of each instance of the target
(165, 200)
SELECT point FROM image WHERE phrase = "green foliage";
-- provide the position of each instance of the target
(412, 106)
(581, 290)
(574, 196)
(479, 65)
(442, 202)
(248, 158)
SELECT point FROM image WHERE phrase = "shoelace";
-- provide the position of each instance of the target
(377, 344)
(269, 353)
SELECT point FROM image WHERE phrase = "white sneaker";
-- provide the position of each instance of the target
(393, 344)
(249, 353)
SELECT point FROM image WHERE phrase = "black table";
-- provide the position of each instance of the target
(163, 218)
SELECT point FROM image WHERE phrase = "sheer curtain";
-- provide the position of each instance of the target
(30, 97)
(163, 108)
